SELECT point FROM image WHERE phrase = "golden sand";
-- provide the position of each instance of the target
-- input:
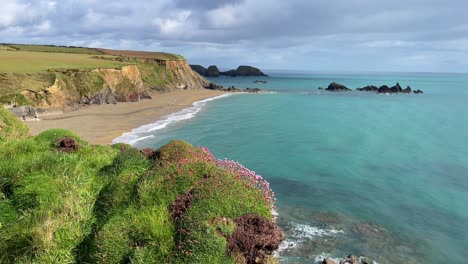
(100, 124)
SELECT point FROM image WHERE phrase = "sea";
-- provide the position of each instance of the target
(379, 176)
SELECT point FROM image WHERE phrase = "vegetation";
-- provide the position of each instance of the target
(33, 62)
(52, 48)
(142, 54)
(63, 200)
(11, 127)
(27, 71)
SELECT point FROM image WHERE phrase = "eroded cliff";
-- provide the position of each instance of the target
(69, 88)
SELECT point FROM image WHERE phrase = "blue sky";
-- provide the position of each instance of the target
(311, 35)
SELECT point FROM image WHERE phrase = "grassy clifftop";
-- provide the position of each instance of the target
(60, 77)
(63, 200)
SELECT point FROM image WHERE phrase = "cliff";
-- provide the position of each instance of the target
(69, 88)
(241, 71)
(63, 200)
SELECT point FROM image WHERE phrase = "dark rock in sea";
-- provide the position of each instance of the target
(199, 69)
(213, 86)
(328, 261)
(369, 88)
(253, 90)
(418, 91)
(336, 87)
(320, 88)
(384, 89)
(407, 90)
(351, 259)
(212, 71)
(243, 71)
(396, 89)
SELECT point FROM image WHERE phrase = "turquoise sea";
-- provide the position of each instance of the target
(381, 176)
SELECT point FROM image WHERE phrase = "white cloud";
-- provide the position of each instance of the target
(12, 11)
(388, 44)
(178, 23)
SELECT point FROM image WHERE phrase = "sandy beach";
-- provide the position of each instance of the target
(100, 124)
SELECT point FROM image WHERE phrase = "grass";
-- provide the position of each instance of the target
(51, 48)
(111, 204)
(142, 54)
(11, 127)
(34, 62)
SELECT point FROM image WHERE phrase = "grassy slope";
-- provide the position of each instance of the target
(11, 127)
(106, 204)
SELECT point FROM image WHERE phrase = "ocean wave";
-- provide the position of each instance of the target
(309, 232)
(302, 232)
(138, 133)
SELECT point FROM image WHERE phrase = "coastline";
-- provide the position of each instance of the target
(101, 124)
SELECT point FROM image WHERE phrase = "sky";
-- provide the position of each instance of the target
(309, 35)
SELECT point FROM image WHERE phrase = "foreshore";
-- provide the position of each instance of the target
(100, 124)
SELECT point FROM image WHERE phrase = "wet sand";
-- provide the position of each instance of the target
(100, 124)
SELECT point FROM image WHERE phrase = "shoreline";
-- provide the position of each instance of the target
(101, 124)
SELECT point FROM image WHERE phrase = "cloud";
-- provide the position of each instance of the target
(318, 34)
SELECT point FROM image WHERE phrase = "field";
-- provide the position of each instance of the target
(142, 54)
(54, 49)
(32, 62)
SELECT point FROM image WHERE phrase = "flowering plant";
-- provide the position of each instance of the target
(250, 178)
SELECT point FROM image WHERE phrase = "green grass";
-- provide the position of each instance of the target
(110, 204)
(33, 62)
(51, 48)
(11, 127)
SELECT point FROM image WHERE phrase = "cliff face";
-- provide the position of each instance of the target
(104, 86)
(183, 76)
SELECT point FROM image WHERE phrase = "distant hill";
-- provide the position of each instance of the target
(241, 71)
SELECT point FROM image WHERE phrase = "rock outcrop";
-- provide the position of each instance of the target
(199, 69)
(336, 87)
(369, 88)
(241, 71)
(212, 71)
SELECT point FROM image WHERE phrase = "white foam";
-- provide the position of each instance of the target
(138, 133)
(302, 232)
(306, 231)
(319, 258)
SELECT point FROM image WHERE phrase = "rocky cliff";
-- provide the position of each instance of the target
(69, 88)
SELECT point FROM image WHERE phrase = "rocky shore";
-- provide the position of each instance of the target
(336, 87)
(233, 89)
